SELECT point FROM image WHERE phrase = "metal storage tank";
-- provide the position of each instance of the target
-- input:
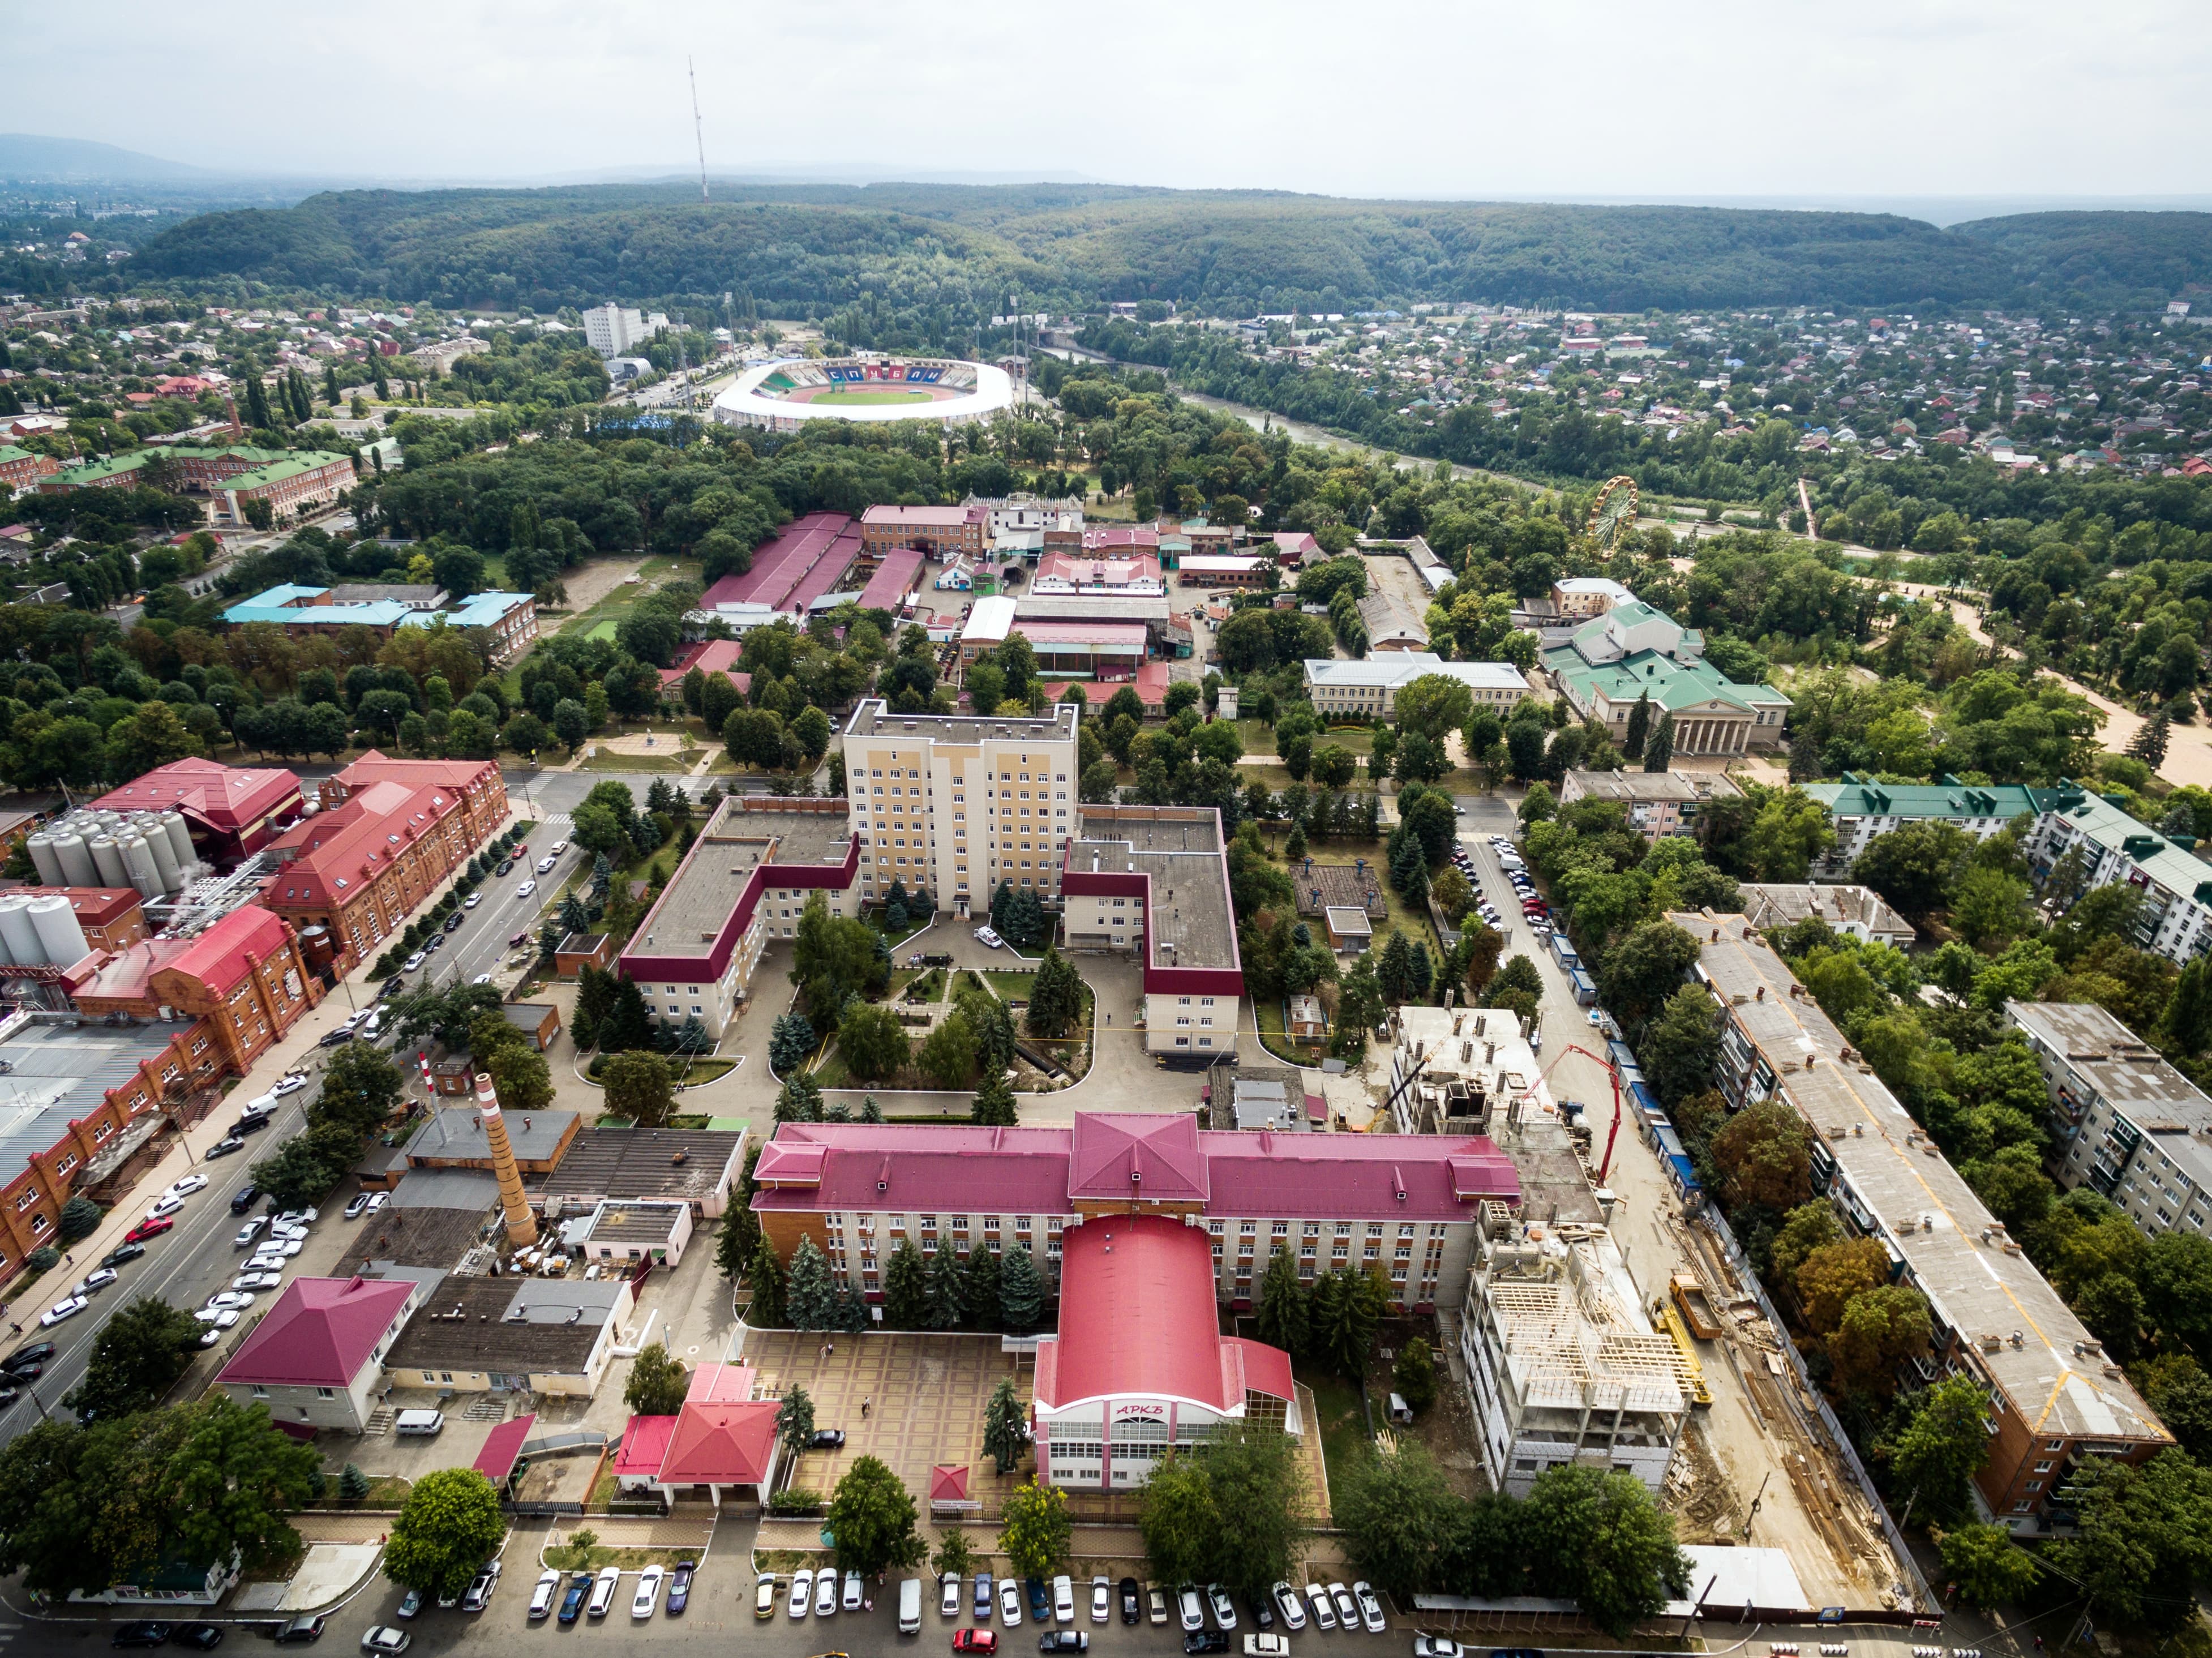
(59, 934)
(139, 866)
(180, 837)
(47, 861)
(107, 857)
(317, 946)
(18, 931)
(77, 867)
(165, 860)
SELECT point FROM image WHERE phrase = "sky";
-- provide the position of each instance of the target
(1780, 100)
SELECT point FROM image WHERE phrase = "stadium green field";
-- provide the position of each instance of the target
(850, 398)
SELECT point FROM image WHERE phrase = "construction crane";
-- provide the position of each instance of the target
(1611, 1076)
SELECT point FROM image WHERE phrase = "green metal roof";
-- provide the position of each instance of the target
(1669, 684)
(304, 461)
(1863, 798)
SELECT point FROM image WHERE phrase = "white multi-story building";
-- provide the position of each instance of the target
(612, 331)
(1452, 1069)
(957, 805)
(1371, 686)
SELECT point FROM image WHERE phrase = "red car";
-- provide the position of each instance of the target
(975, 1640)
(150, 1228)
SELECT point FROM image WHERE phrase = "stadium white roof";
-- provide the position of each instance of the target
(746, 404)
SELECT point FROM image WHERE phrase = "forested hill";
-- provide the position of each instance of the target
(1073, 246)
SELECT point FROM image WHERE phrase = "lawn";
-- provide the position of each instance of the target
(1412, 922)
(855, 399)
(568, 1558)
(1277, 1041)
(1343, 1423)
(384, 1491)
(679, 764)
(1258, 737)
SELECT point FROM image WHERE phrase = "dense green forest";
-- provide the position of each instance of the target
(963, 247)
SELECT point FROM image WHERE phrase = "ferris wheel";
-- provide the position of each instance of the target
(1613, 513)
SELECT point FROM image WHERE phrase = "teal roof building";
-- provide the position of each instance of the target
(1634, 653)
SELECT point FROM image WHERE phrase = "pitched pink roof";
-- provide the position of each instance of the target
(1137, 1314)
(786, 559)
(1262, 1369)
(721, 1384)
(644, 1447)
(893, 579)
(1356, 1176)
(722, 1444)
(502, 1446)
(1156, 1158)
(219, 958)
(225, 797)
(321, 1332)
(948, 1483)
(332, 857)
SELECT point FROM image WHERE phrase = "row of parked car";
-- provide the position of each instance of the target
(588, 1596)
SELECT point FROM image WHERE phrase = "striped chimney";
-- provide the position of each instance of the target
(521, 1225)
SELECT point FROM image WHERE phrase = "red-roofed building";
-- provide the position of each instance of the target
(1141, 1367)
(399, 828)
(318, 1355)
(231, 811)
(946, 532)
(244, 980)
(644, 1448)
(1406, 1204)
(713, 656)
(721, 1449)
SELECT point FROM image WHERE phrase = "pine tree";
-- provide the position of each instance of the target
(628, 1026)
(1409, 868)
(257, 404)
(1393, 970)
(2149, 744)
(2189, 1010)
(1056, 997)
(353, 1484)
(799, 1100)
(994, 1104)
(905, 1293)
(769, 1308)
(1004, 1425)
(852, 1315)
(1021, 1292)
(1659, 752)
(945, 1299)
(1639, 728)
(979, 1288)
(1002, 902)
(735, 1243)
(1421, 973)
(869, 1111)
(1284, 1315)
(810, 1298)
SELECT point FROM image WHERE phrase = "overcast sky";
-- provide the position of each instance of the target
(1460, 97)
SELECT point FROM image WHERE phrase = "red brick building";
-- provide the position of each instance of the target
(391, 832)
(20, 469)
(113, 918)
(943, 530)
(231, 811)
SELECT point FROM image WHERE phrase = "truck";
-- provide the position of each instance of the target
(1696, 1307)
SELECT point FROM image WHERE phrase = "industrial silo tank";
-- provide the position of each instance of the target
(77, 867)
(59, 934)
(318, 948)
(138, 865)
(165, 860)
(107, 858)
(18, 931)
(46, 861)
(180, 837)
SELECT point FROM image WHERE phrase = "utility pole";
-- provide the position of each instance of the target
(698, 132)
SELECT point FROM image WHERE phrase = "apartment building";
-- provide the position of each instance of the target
(957, 805)
(945, 531)
(2107, 846)
(2057, 1400)
(2122, 1119)
(1409, 1207)
(1659, 802)
(1369, 688)
(1583, 596)
(23, 469)
(745, 881)
(612, 330)
(1859, 809)
(1153, 882)
(1857, 912)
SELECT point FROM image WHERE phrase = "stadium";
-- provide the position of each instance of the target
(782, 396)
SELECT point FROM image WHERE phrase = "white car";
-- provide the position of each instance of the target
(1101, 1599)
(648, 1591)
(298, 1217)
(220, 1318)
(270, 1263)
(854, 1595)
(229, 1301)
(479, 1591)
(1224, 1610)
(547, 1592)
(1370, 1606)
(164, 1205)
(413, 961)
(473, 901)
(826, 1593)
(60, 1310)
(290, 1085)
(356, 1206)
(949, 1605)
(602, 1591)
(1190, 1609)
(385, 1638)
(526, 889)
(1435, 1646)
(560, 846)
(802, 1592)
(253, 1284)
(988, 938)
(1010, 1602)
(1063, 1599)
(377, 1200)
(1288, 1603)
(1265, 1646)
(481, 979)
(96, 1282)
(1324, 1615)
(1347, 1609)
(187, 1185)
(545, 865)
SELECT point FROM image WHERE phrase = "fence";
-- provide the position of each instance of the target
(1915, 1584)
(543, 1510)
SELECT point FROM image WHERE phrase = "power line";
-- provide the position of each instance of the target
(698, 132)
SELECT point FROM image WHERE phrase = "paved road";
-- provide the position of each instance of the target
(479, 944)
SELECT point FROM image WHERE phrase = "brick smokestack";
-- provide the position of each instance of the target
(521, 1224)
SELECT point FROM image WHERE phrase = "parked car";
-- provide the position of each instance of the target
(1064, 1640)
(382, 1639)
(1063, 1599)
(1010, 1603)
(853, 1595)
(826, 1593)
(1263, 1615)
(413, 961)
(453, 922)
(1435, 1646)
(122, 1252)
(24, 1357)
(988, 938)
(679, 1585)
(434, 943)
(200, 1637)
(63, 1310)
(984, 1641)
(357, 1205)
(1190, 1611)
(243, 1198)
(764, 1595)
(827, 1439)
(1102, 1599)
(948, 1604)
(254, 1283)
(802, 1592)
(1347, 1609)
(1324, 1614)
(227, 1145)
(1224, 1609)
(1206, 1640)
(143, 1632)
(1370, 1606)
(218, 1318)
(164, 1207)
(479, 1591)
(303, 1631)
(1288, 1603)
(149, 1228)
(543, 1596)
(506, 864)
(250, 1124)
(648, 1597)
(602, 1591)
(377, 1200)
(982, 1594)
(473, 901)
(1040, 1602)
(1155, 1605)
(1265, 1646)
(1131, 1602)
(572, 1603)
(94, 1282)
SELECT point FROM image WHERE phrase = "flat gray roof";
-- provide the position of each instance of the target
(2126, 1070)
(705, 887)
(688, 1165)
(1653, 786)
(873, 718)
(1180, 847)
(2010, 1323)
(60, 1072)
(458, 1133)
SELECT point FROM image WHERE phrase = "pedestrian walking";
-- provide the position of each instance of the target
(865, 1403)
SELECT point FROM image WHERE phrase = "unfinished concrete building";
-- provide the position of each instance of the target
(1563, 1366)
(1453, 1068)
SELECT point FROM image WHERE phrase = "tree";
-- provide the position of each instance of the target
(1647, 968)
(794, 1421)
(136, 1356)
(765, 1275)
(1347, 1308)
(810, 1296)
(2144, 1537)
(1988, 1566)
(80, 1218)
(1659, 747)
(1056, 997)
(1179, 1521)
(1392, 1510)
(361, 1087)
(872, 1516)
(1764, 1156)
(353, 1484)
(1941, 1448)
(1805, 1229)
(1916, 866)
(1035, 1533)
(947, 1055)
(1879, 1329)
(1833, 1274)
(943, 1301)
(657, 1383)
(1598, 1537)
(640, 1087)
(953, 1557)
(979, 1289)
(1005, 1427)
(906, 1303)
(1021, 1292)
(993, 1107)
(790, 1039)
(1639, 728)
(450, 1526)
(1413, 1375)
(2149, 744)
(1284, 1318)
(872, 1042)
(1680, 1046)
